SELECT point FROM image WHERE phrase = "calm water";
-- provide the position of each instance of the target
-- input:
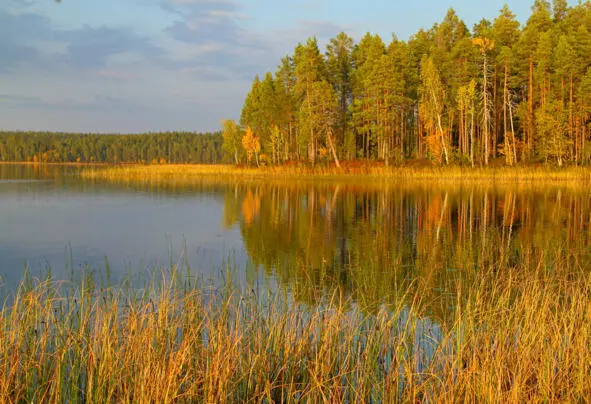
(369, 241)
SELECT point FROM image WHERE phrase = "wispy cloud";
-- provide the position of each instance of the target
(202, 58)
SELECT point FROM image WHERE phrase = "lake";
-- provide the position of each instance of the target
(272, 287)
(308, 238)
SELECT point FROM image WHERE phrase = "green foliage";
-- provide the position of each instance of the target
(552, 139)
(168, 147)
(232, 140)
(382, 111)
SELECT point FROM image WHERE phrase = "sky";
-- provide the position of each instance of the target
(128, 66)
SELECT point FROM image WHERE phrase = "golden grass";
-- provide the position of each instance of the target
(516, 335)
(363, 173)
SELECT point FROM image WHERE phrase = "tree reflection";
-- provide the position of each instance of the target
(371, 243)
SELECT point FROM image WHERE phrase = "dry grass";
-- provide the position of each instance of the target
(359, 173)
(515, 335)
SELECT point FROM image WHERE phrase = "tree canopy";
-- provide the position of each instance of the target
(168, 147)
(499, 92)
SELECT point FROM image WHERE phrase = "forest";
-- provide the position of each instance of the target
(151, 148)
(500, 93)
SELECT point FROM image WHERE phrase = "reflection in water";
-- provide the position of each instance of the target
(480, 284)
(372, 243)
(34, 171)
(369, 242)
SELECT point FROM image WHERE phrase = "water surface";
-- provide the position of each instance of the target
(369, 241)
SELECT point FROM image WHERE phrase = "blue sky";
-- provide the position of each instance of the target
(151, 65)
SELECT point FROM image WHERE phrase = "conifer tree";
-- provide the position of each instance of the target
(506, 35)
(285, 80)
(310, 69)
(365, 86)
(485, 45)
(448, 92)
(340, 68)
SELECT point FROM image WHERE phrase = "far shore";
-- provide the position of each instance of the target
(69, 164)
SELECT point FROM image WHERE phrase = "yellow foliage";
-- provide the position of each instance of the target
(251, 143)
(484, 43)
(434, 147)
(251, 206)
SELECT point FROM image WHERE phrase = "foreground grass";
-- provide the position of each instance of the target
(520, 334)
(188, 173)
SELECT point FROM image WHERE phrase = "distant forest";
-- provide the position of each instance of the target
(152, 148)
(499, 93)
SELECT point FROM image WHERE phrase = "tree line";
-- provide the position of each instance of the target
(500, 92)
(151, 148)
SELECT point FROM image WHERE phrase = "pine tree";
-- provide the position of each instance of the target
(506, 35)
(485, 45)
(559, 10)
(565, 68)
(365, 87)
(340, 68)
(495, 89)
(310, 68)
(584, 112)
(285, 80)
(252, 115)
(538, 23)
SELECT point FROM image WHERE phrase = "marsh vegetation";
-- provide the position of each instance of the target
(389, 290)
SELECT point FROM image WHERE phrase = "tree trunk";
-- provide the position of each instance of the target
(472, 134)
(530, 105)
(508, 153)
(441, 133)
(485, 101)
(332, 148)
(512, 129)
(570, 121)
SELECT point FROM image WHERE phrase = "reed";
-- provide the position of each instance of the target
(365, 172)
(513, 335)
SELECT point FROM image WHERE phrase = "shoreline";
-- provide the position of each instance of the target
(369, 173)
(351, 173)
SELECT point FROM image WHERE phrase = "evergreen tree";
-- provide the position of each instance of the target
(366, 93)
(285, 80)
(506, 35)
(310, 68)
(447, 92)
(340, 68)
(485, 45)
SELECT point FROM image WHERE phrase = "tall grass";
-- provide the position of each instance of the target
(513, 335)
(365, 172)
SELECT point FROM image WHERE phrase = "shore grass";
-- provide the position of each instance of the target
(357, 173)
(515, 335)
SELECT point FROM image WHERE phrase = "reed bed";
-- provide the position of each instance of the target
(365, 172)
(514, 335)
